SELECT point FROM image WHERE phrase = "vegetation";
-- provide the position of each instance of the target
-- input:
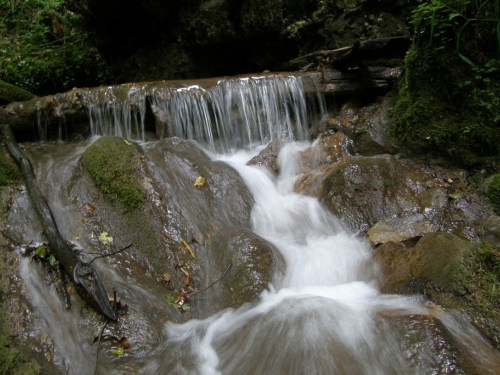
(11, 360)
(111, 162)
(44, 48)
(478, 285)
(9, 173)
(493, 193)
(449, 98)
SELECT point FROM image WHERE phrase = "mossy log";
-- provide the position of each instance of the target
(87, 282)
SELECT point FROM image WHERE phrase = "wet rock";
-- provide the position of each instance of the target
(435, 258)
(427, 340)
(268, 157)
(254, 264)
(363, 191)
(491, 226)
(400, 229)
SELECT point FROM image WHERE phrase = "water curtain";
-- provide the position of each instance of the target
(230, 114)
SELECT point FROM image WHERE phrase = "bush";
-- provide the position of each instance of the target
(44, 48)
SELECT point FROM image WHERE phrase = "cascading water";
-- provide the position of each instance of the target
(324, 315)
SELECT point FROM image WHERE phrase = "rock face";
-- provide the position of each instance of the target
(206, 38)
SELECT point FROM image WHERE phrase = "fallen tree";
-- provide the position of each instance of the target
(86, 280)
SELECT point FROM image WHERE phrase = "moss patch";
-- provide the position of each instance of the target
(478, 285)
(111, 162)
(493, 193)
(9, 172)
(11, 360)
(436, 110)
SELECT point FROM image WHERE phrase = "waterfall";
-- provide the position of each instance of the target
(323, 314)
(231, 114)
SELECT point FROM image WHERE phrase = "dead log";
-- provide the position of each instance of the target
(86, 280)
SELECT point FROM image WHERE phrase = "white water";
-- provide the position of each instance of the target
(322, 316)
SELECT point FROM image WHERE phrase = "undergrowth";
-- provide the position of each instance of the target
(448, 100)
(44, 47)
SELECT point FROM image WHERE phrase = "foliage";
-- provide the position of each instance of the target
(493, 193)
(449, 98)
(44, 48)
(112, 165)
(9, 172)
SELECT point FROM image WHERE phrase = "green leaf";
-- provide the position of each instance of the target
(466, 59)
(454, 196)
(118, 351)
(52, 260)
(40, 251)
(454, 15)
(170, 298)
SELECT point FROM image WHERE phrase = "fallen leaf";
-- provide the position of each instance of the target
(142, 158)
(125, 345)
(187, 281)
(127, 142)
(188, 248)
(186, 273)
(166, 277)
(89, 207)
(41, 251)
(105, 238)
(84, 221)
(454, 195)
(118, 351)
(68, 289)
(199, 182)
(180, 299)
(52, 260)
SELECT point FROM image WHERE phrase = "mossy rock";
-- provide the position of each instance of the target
(439, 107)
(10, 93)
(493, 192)
(9, 172)
(111, 163)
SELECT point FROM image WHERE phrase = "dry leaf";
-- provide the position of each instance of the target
(105, 238)
(188, 248)
(186, 273)
(199, 182)
(188, 281)
(166, 277)
(84, 221)
(89, 207)
(142, 158)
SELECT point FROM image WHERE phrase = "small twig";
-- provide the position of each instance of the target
(215, 282)
(115, 302)
(10, 238)
(113, 253)
(98, 343)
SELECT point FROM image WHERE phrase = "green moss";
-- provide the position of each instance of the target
(437, 110)
(11, 360)
(10, 93)
(493, 192)
(478, 285)
(112, 165)
(9, 172)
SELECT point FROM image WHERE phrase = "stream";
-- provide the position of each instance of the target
(322, 315)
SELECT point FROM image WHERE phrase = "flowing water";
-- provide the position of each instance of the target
(324, 315)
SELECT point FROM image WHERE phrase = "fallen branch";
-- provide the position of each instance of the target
(109, 254)
(215, 282)
(87, 282)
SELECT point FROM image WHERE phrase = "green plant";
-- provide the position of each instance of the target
(493, 192)
(44, 47)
